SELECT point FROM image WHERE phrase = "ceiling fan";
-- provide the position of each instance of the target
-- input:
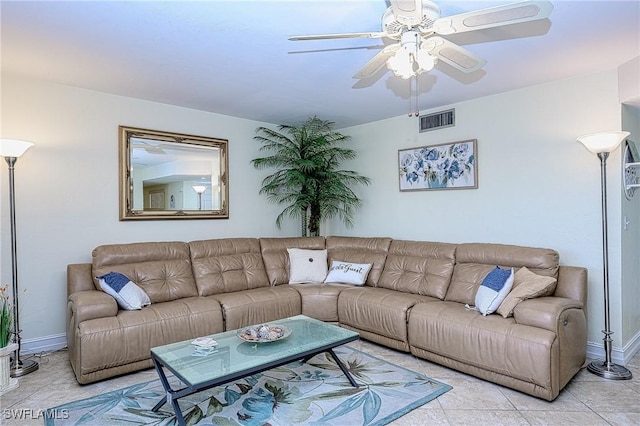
(416, 27)
(151, 147)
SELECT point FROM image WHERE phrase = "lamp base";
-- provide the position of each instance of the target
(23, 368)
(611, 371)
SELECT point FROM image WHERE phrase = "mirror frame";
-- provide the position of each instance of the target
(126, 187)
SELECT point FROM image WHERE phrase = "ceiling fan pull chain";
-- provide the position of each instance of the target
(416, 70)
(417, 91)
(410, 98)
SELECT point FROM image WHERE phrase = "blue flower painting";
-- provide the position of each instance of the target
(447, 166)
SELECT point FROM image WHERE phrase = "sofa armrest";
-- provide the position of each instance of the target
(79, 278)
(545, 312)
(83, 306)
(91, 304)
(572, 283)
(567, 319)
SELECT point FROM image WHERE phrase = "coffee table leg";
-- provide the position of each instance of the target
(165, 384)
(168, 394)
(176, 409)
(159, 404)
(344, 369)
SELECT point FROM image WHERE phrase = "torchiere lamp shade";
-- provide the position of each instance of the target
(603, 142)
(13, 147)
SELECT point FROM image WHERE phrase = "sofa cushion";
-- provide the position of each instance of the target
(276, 258)
(418, 267)
(348, 273)
(127, 338)
(320, 301)
(161, 269)
(526, 285)
(378, 311)
(127, 293)
(227, 265)
(307, 266)
(489, 343)
(258, 305)
(360, 250)
(475, 260)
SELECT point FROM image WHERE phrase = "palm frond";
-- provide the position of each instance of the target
(309, 180)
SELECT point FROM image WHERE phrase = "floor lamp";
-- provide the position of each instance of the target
(11, 149)
(602, 144)
(199, 190)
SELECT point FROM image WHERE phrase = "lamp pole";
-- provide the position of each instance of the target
(606, 368)
(11, 149)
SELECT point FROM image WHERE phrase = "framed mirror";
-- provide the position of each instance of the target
(166, 175)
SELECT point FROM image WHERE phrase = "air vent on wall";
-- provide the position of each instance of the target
(438, 120)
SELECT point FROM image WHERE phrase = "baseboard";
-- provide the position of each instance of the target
(632, 348)
(43, 344)
(620, 356)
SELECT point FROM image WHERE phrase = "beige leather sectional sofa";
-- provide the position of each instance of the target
(413, 301)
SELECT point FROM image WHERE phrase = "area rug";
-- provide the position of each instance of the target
(311, 393)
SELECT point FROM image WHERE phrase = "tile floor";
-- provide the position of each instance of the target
(586, 400)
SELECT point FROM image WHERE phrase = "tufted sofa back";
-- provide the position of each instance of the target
(173, 270)
(162, 269)
(360, 250)
(475, 260)
(419, 267)
(227, 265)
(276, 258)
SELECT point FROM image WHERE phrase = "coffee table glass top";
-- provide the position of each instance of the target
(232, 355)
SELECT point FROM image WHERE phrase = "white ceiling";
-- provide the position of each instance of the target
(233, 57)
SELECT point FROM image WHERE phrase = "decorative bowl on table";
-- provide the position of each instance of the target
(264, 333)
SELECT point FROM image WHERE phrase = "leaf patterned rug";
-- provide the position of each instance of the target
(311, 393)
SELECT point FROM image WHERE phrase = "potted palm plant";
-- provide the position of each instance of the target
(308, 179)
(6, 347)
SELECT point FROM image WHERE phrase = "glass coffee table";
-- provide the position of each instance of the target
(234, 358)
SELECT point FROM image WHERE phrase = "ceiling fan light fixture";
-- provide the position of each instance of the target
(425, 61)
(402, 63)
(406, 63)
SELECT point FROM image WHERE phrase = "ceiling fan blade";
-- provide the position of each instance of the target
(377, 62)
(336, 36)
(150, 149)
(155, 150)
(452, 54)
(408, 12)
(513, 13)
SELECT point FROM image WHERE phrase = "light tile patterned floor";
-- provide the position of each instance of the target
(587, 399)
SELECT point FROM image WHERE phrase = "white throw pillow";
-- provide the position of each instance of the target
(307, 266)
(495, 287)
(127, 293)
(348, 273)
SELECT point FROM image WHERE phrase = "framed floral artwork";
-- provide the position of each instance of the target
(445, 166)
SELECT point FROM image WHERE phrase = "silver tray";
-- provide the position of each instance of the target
(264, 333)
